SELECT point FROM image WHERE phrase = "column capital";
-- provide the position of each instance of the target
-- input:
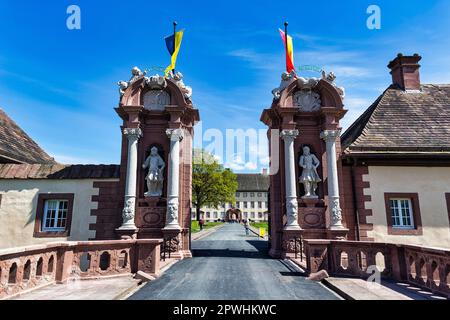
(289, 134)
(175, 134)
(330, 135)
(132, 133)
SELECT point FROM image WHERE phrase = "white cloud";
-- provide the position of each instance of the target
(350, 71)
(261, 61)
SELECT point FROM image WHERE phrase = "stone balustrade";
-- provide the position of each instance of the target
(428, 268)
(27, 268)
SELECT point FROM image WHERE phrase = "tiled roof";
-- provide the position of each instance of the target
(400, 121)
(16, 146)
(59, 171)
(252, 182)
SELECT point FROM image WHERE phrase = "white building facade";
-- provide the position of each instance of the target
(251, 200)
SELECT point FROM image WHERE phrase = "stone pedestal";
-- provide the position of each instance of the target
(311, 213)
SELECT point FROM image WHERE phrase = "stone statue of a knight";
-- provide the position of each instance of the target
(310, 178)
(154, 176)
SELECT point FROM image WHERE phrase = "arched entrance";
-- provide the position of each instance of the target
(233, 215)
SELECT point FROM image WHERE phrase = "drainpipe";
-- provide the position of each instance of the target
(354, 163)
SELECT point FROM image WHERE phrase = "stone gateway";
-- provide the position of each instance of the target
(158, 119)
(306, 113)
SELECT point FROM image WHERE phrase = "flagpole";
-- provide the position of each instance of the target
(286, 42)
(174, 36)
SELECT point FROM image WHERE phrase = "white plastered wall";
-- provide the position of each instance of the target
(18, 209)
(431, 184)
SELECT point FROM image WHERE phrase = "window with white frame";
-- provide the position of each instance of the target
(402, 213)
(55, 215)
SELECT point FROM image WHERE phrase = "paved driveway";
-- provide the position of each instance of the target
(230, 265)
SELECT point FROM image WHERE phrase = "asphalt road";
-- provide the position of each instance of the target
(228, 265)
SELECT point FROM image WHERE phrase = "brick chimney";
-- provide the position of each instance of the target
(405, 71)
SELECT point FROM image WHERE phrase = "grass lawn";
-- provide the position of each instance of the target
(195, 227)
(261, 224)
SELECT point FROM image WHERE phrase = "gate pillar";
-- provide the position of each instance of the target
(306, 170)
(156, 162)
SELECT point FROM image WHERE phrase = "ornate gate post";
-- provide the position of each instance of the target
(304, 192)
(157, 168)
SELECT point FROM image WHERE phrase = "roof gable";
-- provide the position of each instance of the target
(16, 146)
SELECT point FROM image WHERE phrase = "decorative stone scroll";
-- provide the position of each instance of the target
(156, 82)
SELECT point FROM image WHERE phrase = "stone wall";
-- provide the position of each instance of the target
(426, 267)
(27, 268)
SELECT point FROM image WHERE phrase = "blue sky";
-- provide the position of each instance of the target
(60, 85)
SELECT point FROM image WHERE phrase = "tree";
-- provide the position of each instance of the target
(212, 184)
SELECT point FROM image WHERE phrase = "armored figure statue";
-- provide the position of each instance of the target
(154, 177)
(310, 178)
